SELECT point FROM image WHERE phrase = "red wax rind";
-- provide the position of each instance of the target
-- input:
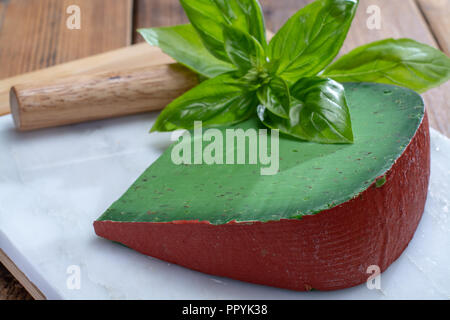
(325, 251)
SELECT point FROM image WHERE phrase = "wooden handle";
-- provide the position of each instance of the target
(92, 97)
(139, 55)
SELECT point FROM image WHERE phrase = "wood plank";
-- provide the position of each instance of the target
(34, 34)
(437, 15)
(2, 11)
(156, 13)
(399, 19)
(10, 289)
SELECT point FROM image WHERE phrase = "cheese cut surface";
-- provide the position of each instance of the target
(312, 177)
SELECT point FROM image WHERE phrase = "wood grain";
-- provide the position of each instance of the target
(136, 56)
(156, 13)
(34, 35)
(437, 15)
(2, 12)
(12, 289)
(92, 97)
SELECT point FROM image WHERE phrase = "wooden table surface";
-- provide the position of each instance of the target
(33, 35)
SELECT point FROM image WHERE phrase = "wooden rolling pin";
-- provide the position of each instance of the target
(144, 79)
(69, 100)
(136, 56)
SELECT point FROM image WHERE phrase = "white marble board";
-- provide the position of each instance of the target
(55, 182)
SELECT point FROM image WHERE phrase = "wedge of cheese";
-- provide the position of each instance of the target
(329, 213)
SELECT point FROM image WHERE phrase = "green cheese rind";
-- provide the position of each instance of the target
(312, 177)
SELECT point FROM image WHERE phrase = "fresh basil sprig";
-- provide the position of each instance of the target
(182, 43)
(209, 16)
(318, 112)
(217, 101)
(288, 83)
(311, 38)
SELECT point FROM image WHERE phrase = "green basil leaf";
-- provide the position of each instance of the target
(318, 112)
(402, 62)
(218, 101)
(311, 38)
(243, 50)
(246, 15)
(275, 97)
(209, 16)
(184, 45)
